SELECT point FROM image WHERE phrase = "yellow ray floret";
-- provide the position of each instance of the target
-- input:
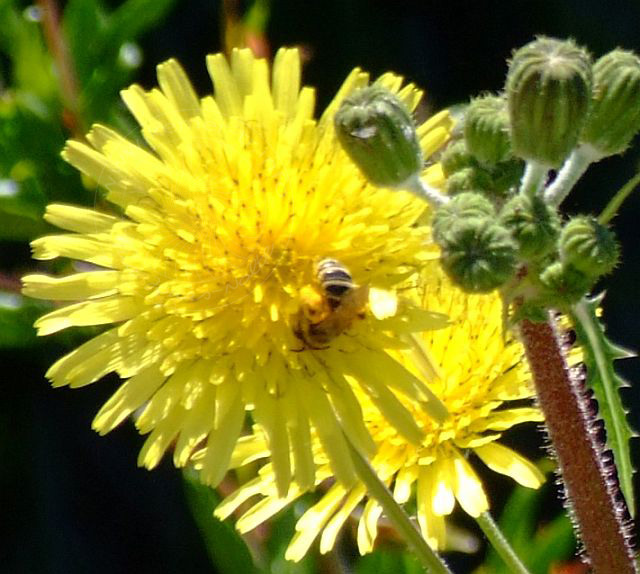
(216, 229)
(476, 374)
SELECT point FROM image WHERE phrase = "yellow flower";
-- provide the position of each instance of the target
(477, 374)
(214, 236)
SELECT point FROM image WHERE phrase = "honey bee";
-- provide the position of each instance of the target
(331, 306)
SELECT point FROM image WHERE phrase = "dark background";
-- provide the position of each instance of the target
(75, 502)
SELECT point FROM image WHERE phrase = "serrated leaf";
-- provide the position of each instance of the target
(599, 354)
(226, 548)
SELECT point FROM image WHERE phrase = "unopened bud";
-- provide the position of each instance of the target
(461, 207)
(548, 94)
(378, 133)
(486, 129)
(456, 157)
(615, 112)
(533, 224)
(564, 284)
(478, 254)
(469, 179)
(589, 246)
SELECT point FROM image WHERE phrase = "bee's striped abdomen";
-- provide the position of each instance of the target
(335, 280)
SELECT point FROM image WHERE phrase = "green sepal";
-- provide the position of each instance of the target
(378, 133)
(589, 246)
(533, 224)
(478, 254)
(486, 129)
(549, 87)
(563, 285)
(599, 355)
(614, 118)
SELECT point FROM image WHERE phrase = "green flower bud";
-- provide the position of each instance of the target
(548, 95)
(615, 111)
(461, 207)
(564, 284)
(469, 179)
(455, 157)
(507, 175)
(589, 246)
(533, 224)
(486, 129)
(478, 254)
(377, 132)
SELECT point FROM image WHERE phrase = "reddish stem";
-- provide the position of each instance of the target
(58, 48)
(588, 481)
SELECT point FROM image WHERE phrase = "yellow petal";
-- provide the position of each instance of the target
(368, 526)
(382, 303)
(108, 310)
(177, 87)
(312, 521)
(78, 219)
(506, 461)
(443, 499)
(468, 488)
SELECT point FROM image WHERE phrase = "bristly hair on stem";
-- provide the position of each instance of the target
(588, 477)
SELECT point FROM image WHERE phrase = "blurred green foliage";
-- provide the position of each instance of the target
(40, 109)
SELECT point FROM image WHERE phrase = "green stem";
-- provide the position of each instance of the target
(575, 165)
(500, 543)
(396, 515)
(533, 178)
(430, 194)
(616, 201)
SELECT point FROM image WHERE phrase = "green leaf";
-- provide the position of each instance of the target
(282, 529)
(135, 17)
(389, 561)
(226, 548)
(21, 39)
(553, 543)
(599, 355)
(17, 315)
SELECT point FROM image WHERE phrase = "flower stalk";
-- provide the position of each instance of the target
(533, 178)
(499, 542)
(572, 170)
(571, 428)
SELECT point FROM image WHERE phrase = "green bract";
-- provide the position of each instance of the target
(533, 224)
(461, 207)
(589, 246)
(615, 115)
(377, 132)
(478, 254)
(486, 129)
(548, 95)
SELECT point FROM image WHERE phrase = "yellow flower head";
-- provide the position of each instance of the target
(476, 373)
(215, 235)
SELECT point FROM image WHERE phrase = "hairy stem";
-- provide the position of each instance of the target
(424, 191)
(572, 170)
(533, 178)
(574, 437)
